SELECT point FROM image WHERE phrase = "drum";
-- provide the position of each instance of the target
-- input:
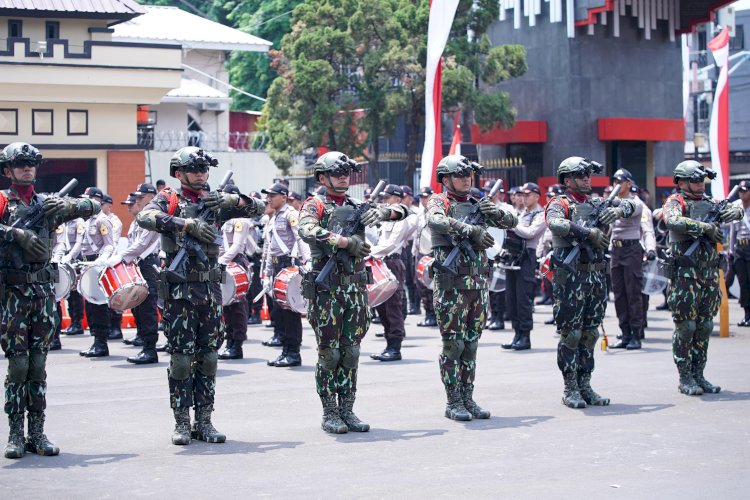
(497, 283)
(425, 241)
(123, 285)
(424, 266)
(66, 277)
(89, 287)
(287, 290)
(654, 280)
(499, 236)
(384, 285)
(545, 268)
(236, 284)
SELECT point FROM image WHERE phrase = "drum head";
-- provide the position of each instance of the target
(66, 276)
(654, 280)
(227, 290)
(128, 297)
(734, 289)
(497, 282)
(425, 241)
(89, 286)
(499, 236)
(294, 296)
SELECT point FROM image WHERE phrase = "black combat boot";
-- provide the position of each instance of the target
(98, 349)
(414, 308)
(147, 356)
(496, 324)
(274, 341)
(115, 333)
(572, 395)
(181, 434)
(523, 343)
(708, 387)
(254, 319)
(132, 340)
(284, 352)
(550, 321)
(625, 338)
(161, 347)
(455, 409)
(37, 442)
(353, 423)
(232, 351)
(512, 342)
(635, 340)
(467, 395)
(55, 344)
(587, 393)
(429, 320)
(75, 328)
(16, 446)
(203, 429)
(289, 357)
(688, 385)
(391, 353)
(332, 422)
(746, 321)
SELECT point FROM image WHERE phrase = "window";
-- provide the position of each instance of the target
(78, 122)
(52, 29)
(8, 122)
(737, 42)
(15, 28)
(41, 122)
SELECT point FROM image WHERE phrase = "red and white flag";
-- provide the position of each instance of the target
(719, 129)
(442, 13)
(456, 144)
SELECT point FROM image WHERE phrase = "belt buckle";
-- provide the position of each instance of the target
(617, 243)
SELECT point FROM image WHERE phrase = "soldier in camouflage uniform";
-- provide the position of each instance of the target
(694, 294)
(580, 294)
(339, 314)
(461, 299)
(27, 294)
(192, 293)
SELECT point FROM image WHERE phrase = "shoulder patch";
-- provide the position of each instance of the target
(238, 226)
(60, 229)
(103, 230)
(293, 220)
(79, 228)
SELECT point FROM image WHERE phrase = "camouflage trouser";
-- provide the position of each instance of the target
(26, 327)
(694, 303)
(460, 315)
(580, 303)
(340, 321)
(192, 336)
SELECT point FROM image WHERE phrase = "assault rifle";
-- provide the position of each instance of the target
(464, 244)
(711, 217)
(193, 245)
(352, 225)
(571, 261)
(33, 219)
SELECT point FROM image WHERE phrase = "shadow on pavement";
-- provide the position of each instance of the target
(624, 409)
(371, 361)
(160, 365)
(67, 460)
(232, 447)
(528, 351)
(228, 373)
(387, 435)
(726, 396)
(499, 422)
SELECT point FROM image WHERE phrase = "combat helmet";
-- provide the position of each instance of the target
(191, 159)
(691, 170)
(336, 163)
(456, 165)
(575, 165)
(20, 154)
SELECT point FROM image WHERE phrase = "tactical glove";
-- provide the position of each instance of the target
(712, 232)
(731, 213)
(489, 209)
(610, 215)
(598, 239)
(217, 201)
(480, 238)
(54, 207)
(375, 215)
(33, 247)
(357, 247)
(200, 230)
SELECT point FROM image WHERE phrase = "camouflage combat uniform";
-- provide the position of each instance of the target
(580, 296)
(192, 304)
(29, 313)
(460, 301)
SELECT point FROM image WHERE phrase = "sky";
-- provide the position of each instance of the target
(742, 5)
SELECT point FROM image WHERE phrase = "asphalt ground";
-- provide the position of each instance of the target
(113, 423)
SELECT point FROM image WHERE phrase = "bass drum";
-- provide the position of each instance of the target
(654, 279)
(287, 290)
(66, 278)
(497, 280)
(236, 284)
(89, 287)
(424, 244)
(545, 267)
(424, 268)
(499, 236)
(385, 283)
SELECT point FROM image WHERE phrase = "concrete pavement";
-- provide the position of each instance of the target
(113, 423)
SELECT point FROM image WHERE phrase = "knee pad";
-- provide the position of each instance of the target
(328, 358)
(350, 356)
(570, 338)
(704, 328)
(452, 349)
(686, 329)
(37, 363)
(179, 366)
(207, 363)
(470, 351)
(588, 338)
(18, 368)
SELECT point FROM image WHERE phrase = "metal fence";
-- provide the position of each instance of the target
(171, 140)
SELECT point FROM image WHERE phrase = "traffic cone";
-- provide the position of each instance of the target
(65, 321)
(128, 320)
(264, 314)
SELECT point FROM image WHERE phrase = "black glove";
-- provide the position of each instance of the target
(489, 209)
(357, 247)
(712, 232)
(598, 239)
(54, 207)
(651, 255)
(481, 238)
(216, 201)
(200, 230)
(33, 247)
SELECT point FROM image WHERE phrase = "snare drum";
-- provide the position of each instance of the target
(89, 287)
(66, 277)
(497, 283)
(287, 290)
(123, 285)
(385, 283)
(545, 268)
(236, 284)
(424, 268)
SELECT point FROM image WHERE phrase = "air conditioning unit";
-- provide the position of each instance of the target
(212, 106)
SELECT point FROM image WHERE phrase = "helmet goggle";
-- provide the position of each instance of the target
(25, 156)
(587, 167)
(199, 161)
(344, 166)
(700, 176)
(466, 169)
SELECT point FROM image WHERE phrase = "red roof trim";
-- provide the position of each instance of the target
(523, 131)
(709, 18)
(641, 129)
(591, 19)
